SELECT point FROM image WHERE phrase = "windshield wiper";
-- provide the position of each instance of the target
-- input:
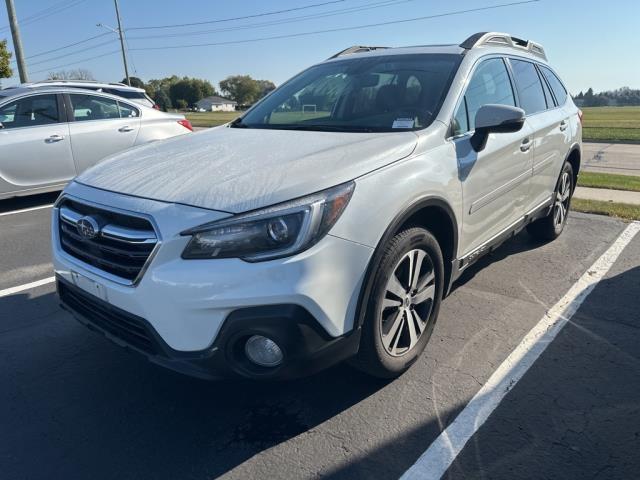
(237, 123)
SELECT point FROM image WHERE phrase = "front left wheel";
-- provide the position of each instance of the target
(403, 304)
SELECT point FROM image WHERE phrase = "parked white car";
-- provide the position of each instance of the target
(49, 135)
(329, 221)
(133, 94)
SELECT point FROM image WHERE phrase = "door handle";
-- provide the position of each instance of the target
(126, 128)
(526, 145)
(54, 138)
(563, 126)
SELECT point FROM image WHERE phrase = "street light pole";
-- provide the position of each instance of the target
(121, 34)
(17, 41)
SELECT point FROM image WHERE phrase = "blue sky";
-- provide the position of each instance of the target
(588, 42)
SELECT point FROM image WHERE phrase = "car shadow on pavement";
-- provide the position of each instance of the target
(18, 203)
(574, 414)
(76, 406)
(522, 242)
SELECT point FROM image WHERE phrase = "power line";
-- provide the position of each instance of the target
(69, 45)
(330, 13)
(76, 62)
(341, 29)
(128, 47)
(264, 14)
(70, 54)
(47, 12)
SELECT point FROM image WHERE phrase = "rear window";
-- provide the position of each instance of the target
(125, 93)
(556, 85)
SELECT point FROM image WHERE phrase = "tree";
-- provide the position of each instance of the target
(5, 57)
(241, 88)
(135, 82)
(78, 74)
(266, 87)
(161, 97)
(190, 90)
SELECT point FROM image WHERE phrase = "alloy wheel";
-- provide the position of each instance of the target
(407, 304)
(563, 196)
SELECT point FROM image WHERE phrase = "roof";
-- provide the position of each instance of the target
(216, 100)
(496, 41)
(379, 51)
(22, 90)
(77, 83)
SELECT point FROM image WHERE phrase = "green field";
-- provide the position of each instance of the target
(611, 124)
(210, 119)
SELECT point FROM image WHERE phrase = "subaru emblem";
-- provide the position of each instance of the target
(88, 227)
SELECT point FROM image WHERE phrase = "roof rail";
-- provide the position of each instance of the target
(355, 49)
(503, 40)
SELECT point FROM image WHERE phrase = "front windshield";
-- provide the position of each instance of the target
(377, 93)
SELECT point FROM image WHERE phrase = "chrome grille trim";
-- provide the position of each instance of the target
(122, 246)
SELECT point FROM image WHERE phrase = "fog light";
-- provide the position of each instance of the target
(263, 351)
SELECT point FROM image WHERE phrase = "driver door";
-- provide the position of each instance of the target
(35, 150)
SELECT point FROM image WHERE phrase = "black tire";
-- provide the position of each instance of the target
(390, 354)
(551, 226)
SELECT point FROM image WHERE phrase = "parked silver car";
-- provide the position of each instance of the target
(49, 135)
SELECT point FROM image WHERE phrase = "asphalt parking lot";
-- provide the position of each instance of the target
(72, 405)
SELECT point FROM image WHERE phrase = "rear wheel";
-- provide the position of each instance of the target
(403, 305)
(550, 227)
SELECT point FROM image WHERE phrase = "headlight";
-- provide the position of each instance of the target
(278, 231)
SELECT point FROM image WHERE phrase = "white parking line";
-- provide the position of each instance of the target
(435, 461)
(14, 212)
(27, 286)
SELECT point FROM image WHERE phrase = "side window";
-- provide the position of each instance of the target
(547, 93)
(529, 87)
(490, 84)
(30, 112)
(92, 107)
(556, 85)
(460, 121)
(128, 111)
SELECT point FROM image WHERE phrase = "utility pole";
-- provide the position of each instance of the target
(121, 34)
(17, 41)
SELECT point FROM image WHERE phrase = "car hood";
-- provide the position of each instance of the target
(236, 170)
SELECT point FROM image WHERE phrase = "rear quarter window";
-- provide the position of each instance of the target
(556, 85)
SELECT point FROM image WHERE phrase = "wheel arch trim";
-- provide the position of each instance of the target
(401, 218)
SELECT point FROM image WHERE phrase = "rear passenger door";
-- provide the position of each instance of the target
(562, 115)
(495, 181)
(100, 126)
(546, 122)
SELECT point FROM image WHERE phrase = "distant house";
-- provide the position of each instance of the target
(216, 104)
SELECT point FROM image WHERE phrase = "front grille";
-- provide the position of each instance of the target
(118, 323)
(122, 243)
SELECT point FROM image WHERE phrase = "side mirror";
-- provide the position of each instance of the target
(495, 119)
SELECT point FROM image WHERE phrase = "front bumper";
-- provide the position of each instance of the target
(306, 347)
(192, 309)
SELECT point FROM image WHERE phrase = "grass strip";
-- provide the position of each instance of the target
(611, 209)
(608, 180)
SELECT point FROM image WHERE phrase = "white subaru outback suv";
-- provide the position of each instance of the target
(329, 221)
